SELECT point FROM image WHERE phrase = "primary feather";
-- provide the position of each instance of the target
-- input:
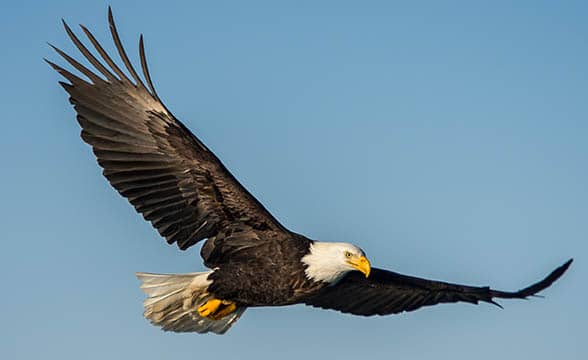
(149, 156)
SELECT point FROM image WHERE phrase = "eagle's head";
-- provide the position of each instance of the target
(329, 262)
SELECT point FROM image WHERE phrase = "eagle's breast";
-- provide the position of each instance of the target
(260, 268)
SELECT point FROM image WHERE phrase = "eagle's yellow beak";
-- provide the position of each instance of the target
(361, 264)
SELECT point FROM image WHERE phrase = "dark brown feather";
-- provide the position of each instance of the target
(386, 292)
(150, 157)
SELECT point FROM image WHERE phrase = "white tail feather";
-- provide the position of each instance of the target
(174, 299)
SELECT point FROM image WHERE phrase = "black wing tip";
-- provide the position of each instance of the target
(559, 271)
(51, 63)
(111, 17)
(53, 46)
(55, 67)
(495, 304)
(67, 28)
(547, 281)
(533, 289)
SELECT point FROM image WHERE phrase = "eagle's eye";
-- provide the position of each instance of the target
(347, 254)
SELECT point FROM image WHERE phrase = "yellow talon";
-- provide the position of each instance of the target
(224, 311)
(216, 309)
(209, 308)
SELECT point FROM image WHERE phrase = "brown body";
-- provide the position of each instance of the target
(246, 275)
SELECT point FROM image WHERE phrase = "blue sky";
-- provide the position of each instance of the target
(447, 139)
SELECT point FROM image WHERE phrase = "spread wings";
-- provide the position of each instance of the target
(150, 157)
(386, 292)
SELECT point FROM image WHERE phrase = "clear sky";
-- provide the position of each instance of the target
(447, 139)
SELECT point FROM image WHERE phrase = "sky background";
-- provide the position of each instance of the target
(447, 139)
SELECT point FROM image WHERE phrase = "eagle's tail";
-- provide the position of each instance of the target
(173, 300)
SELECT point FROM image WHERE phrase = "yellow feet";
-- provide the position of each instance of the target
(216, 309)
(223, 311)
(209, 307)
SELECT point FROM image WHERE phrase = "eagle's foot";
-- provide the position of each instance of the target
(216, 309)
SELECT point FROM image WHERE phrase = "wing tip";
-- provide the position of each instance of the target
(537, 287)
(51, 63)
(491, 301)
(559, 271)
(110, 17)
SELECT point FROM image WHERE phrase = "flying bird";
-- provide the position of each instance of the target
(175, 182)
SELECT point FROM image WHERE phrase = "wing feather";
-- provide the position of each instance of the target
(87, 54)
(121, 51)
(145, 68)
(386, 292)
(149, 156)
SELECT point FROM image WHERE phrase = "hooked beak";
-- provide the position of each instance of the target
(361, 264)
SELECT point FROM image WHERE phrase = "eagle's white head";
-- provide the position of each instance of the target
(329, 261)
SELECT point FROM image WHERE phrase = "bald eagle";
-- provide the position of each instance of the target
(175, 182)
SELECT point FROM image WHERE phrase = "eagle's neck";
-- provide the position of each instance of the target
(323, 262)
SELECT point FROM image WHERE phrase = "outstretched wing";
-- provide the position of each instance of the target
(386, 292)
(149, 156)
